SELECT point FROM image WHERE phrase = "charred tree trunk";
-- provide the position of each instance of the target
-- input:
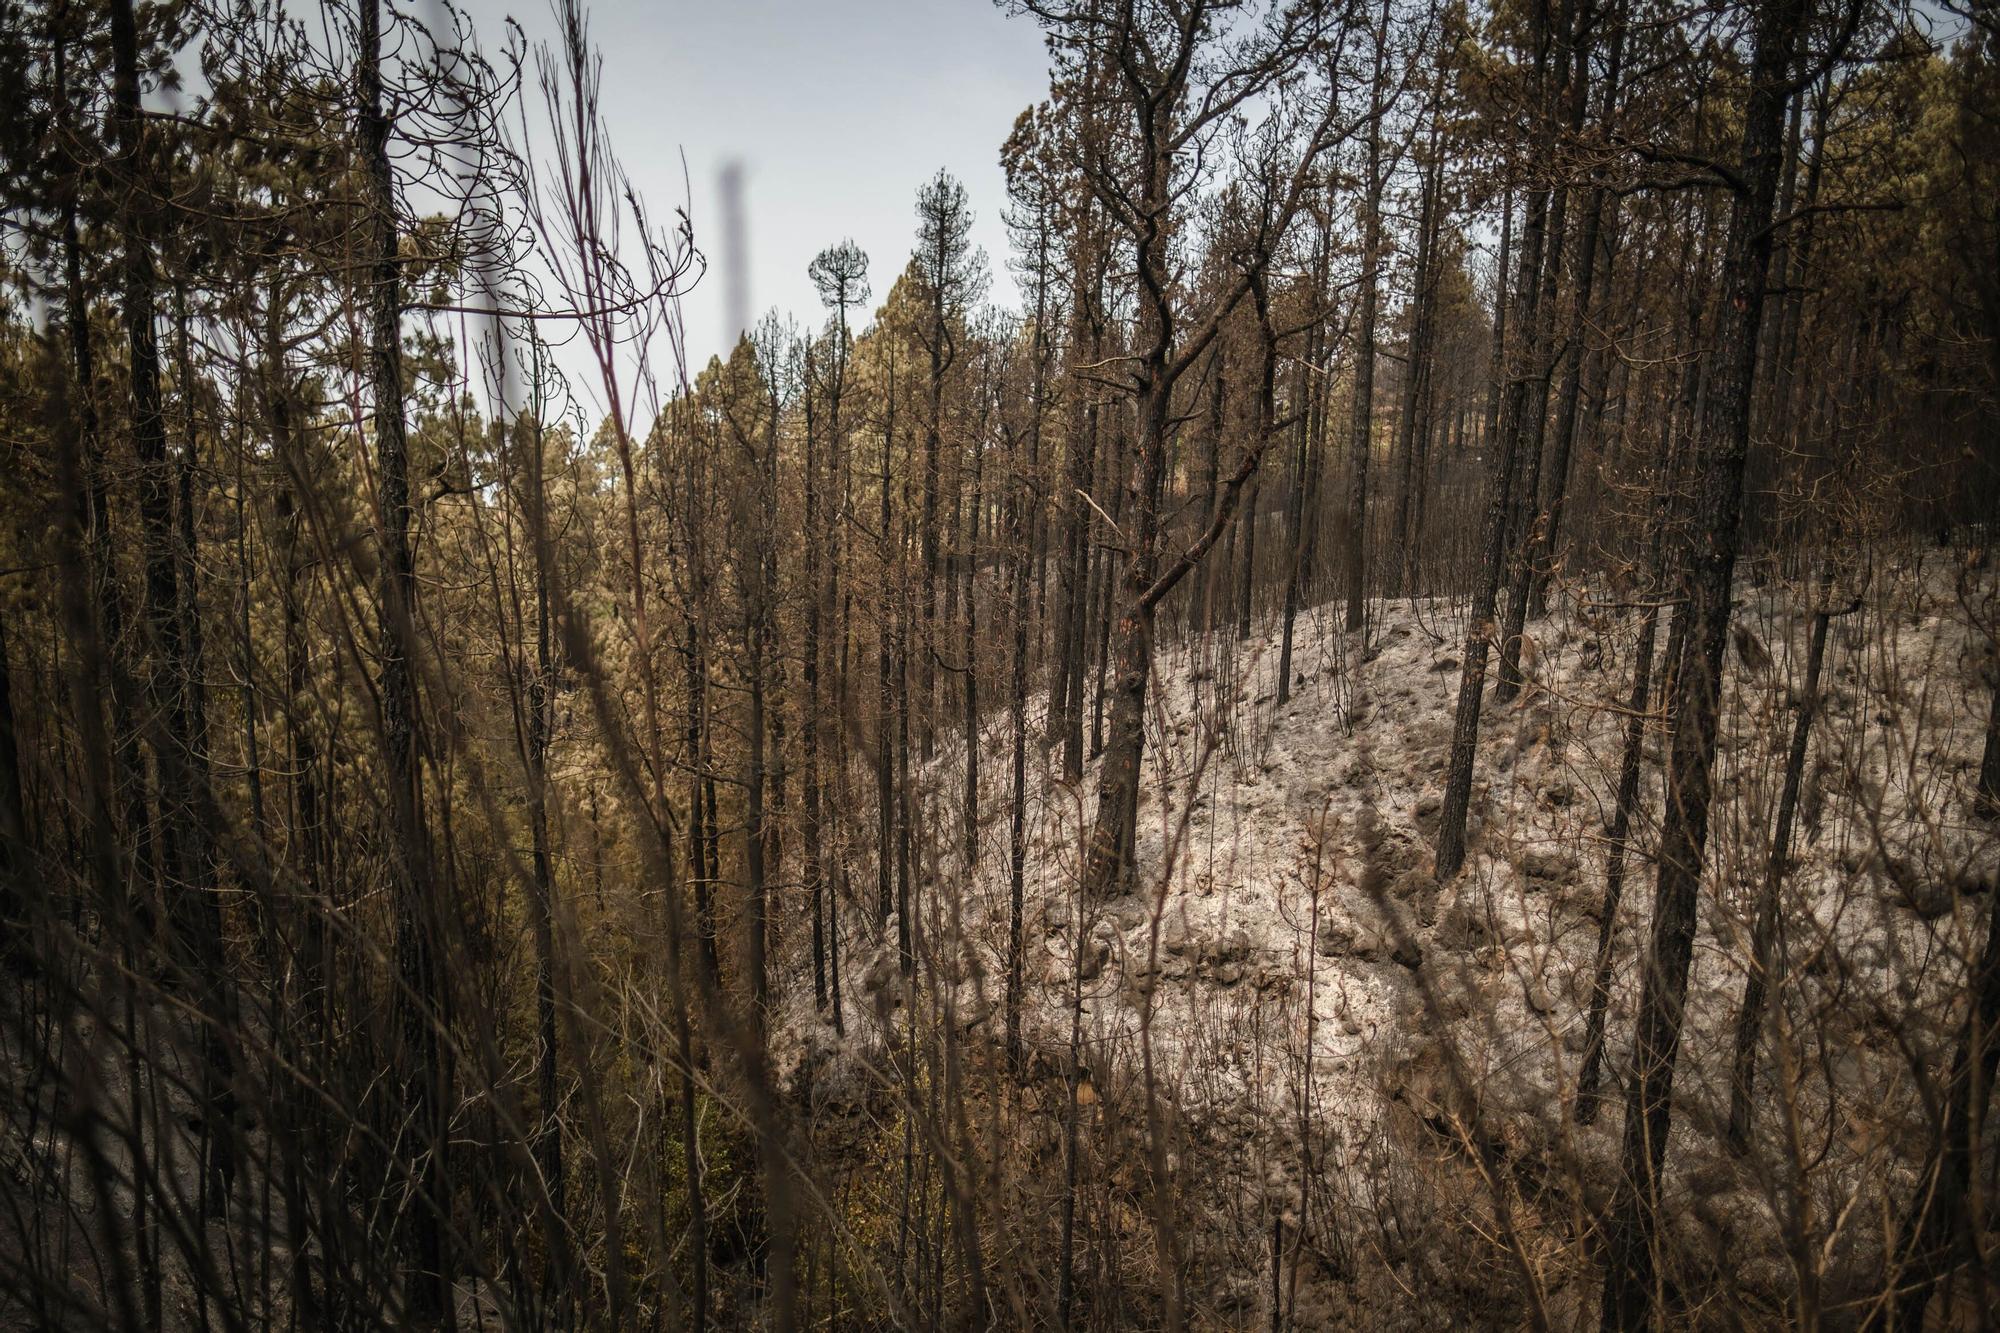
(541, 696)
(1081, 447)
(1209, 590)
(1017, 840)
(420, 993)
(1549, 531)
(1295, 524)
(703, 865)
(1629, 1276)
(1246, 587)
(1301, 506)
(173, 677)
(1361, 428)
(1107, 563)
(1413, 422)
(1589, 1072)
(129, 796)
(969, 652)
(1145, 582)
(1525, 524)
(809, 722)
(1496, 372)
(1765, 931)
(1493, 540)
(885, 773)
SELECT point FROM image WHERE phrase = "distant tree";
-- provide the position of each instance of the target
(951, 275)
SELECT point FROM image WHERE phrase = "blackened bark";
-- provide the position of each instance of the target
(1210, 588)
(173, 693)
(214, 980)
(1104, 582)
(419, 997)
(1413, 422)
(1295, 524)
(1246, 587)
(1086, 332)
(927, 610)
(703, 867)
(108, 600)
(906, 936)
(1525, 523)
(541, 725)
(837, 604)
(885, 790)
(1516, 435)
(191, 908)
(1589, 1072)
(1493, 544)
(1629, 1262)
(1302, 504)
(1017, 827)
(1146, 582)
(1361, 427)
(1548, 534)
(756, 831)
(809, 723)
(1764, 931)
(1496, 371)
(1129, 656)
(969, 652)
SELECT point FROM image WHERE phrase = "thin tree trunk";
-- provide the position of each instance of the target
(906, 924)
(809, 723)
(129, 795)
(756, 836)
(1589, 1072)
(1763, 978)
(1361, 438)
(305, 841)
(838, 604)
(1629, 1271)
(1017, 844)
(1412, 423)
(1300, 509)
(703, 867)
(1246, 588)
(1526, 522)
(1210, 587)
(1104, 584)
(541, 725)
(427, 1277)
(885, 792)
(1547, 536)
(1295, 524)
(1481, 628)
(1496, 373)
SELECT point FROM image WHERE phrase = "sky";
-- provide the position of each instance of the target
(837, 110)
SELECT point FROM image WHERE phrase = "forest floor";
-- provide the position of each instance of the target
(1296, 980)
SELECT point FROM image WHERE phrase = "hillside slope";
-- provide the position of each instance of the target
(1332, 1036)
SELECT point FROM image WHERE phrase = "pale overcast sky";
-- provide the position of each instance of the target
(837, 109)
